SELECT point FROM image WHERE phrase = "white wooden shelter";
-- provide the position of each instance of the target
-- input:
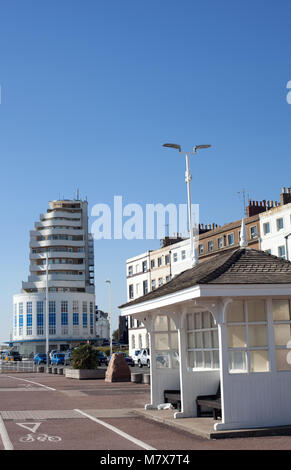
(227, 321)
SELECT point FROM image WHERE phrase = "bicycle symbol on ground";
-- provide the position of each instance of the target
(40, 437)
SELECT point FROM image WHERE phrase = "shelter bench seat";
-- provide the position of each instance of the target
(174, 397)
(210, 401)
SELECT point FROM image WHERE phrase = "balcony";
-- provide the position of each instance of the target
(64, 214)
(59, 283)
(48, 243)
(58, 254)
(56, 231)
(61, 222)
(57, 277)
(57, 267)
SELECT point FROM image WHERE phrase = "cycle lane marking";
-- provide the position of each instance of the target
(4, 436)
(132, 439)
(30, 381)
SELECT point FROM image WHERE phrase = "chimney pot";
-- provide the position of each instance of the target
(283, 190)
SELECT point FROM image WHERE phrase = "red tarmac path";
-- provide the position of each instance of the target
(38, 411)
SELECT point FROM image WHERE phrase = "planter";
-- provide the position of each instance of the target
(83, 374)
(136, 378)
(146, 379)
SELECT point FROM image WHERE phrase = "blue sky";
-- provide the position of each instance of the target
(91, 90)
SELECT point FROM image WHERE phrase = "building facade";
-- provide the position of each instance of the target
(275, 227)
(62, 236)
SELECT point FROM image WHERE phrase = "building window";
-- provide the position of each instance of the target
(160, 262)
(183, 254)
(269, 251)
(28, 307)
(152, 263)
(168, 278)
(166, 343)
(145, 287)
(282, 333)
(175, 257)
(202, 341)
(29, 324)
(230, 239)
(144, 267)
(266, 228)
(281, 252)
(210, 245)
(39, 317)
(201, 249)
(75, 319)
(220, 243)
(133, 341)
(64, 317)
(247, 336)
(280, 223)
(130, 271)
(160, 281)
(52, 317)
(130, 291)
(254, 232)
(85, 317)
(167, 259)
(153, 284)
(140, 341)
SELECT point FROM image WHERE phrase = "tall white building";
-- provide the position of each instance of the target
(62, 233)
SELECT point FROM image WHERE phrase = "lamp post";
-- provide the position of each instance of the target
(47, 314)
(188, 178)
(110, 315)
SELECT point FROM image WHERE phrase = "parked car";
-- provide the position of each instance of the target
(135, 356)
(143, 359)
(128, 359)
(52, 352)
(102, 358)
(58, 359)
(39, 358)
(12, 356)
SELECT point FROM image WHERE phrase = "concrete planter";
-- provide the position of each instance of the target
(83, 374)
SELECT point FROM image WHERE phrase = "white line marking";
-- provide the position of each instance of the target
(35, 383)
(117, 431)
(4, 436)
(32, 428)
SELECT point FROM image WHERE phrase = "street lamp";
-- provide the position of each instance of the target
(47, 314)
(110, 315)
(188, 177)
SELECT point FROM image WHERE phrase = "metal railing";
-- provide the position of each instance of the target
(17, 366)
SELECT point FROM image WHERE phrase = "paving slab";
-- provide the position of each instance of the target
(204, 427)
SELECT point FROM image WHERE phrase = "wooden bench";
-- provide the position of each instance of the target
(210, 401)
(174, 397)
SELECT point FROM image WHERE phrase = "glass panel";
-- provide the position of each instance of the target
(206, 320)
(190, 321)
(197, 317)
(235, 312)
(191, 342)
(215, 342)
(257, 335)
(161, 323)
(162, 360)
(237, 361)
(161, 341)
(236, 336)
(198, 340)
(207, 359)
(282, 334)
(283, 359)
(174, 340)
(216, 359)
(172, 325)
(256, 310)
(259, 361)
(175, 360)
(281, 310)
(198, 362)
(191, 359)
(207, 339)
